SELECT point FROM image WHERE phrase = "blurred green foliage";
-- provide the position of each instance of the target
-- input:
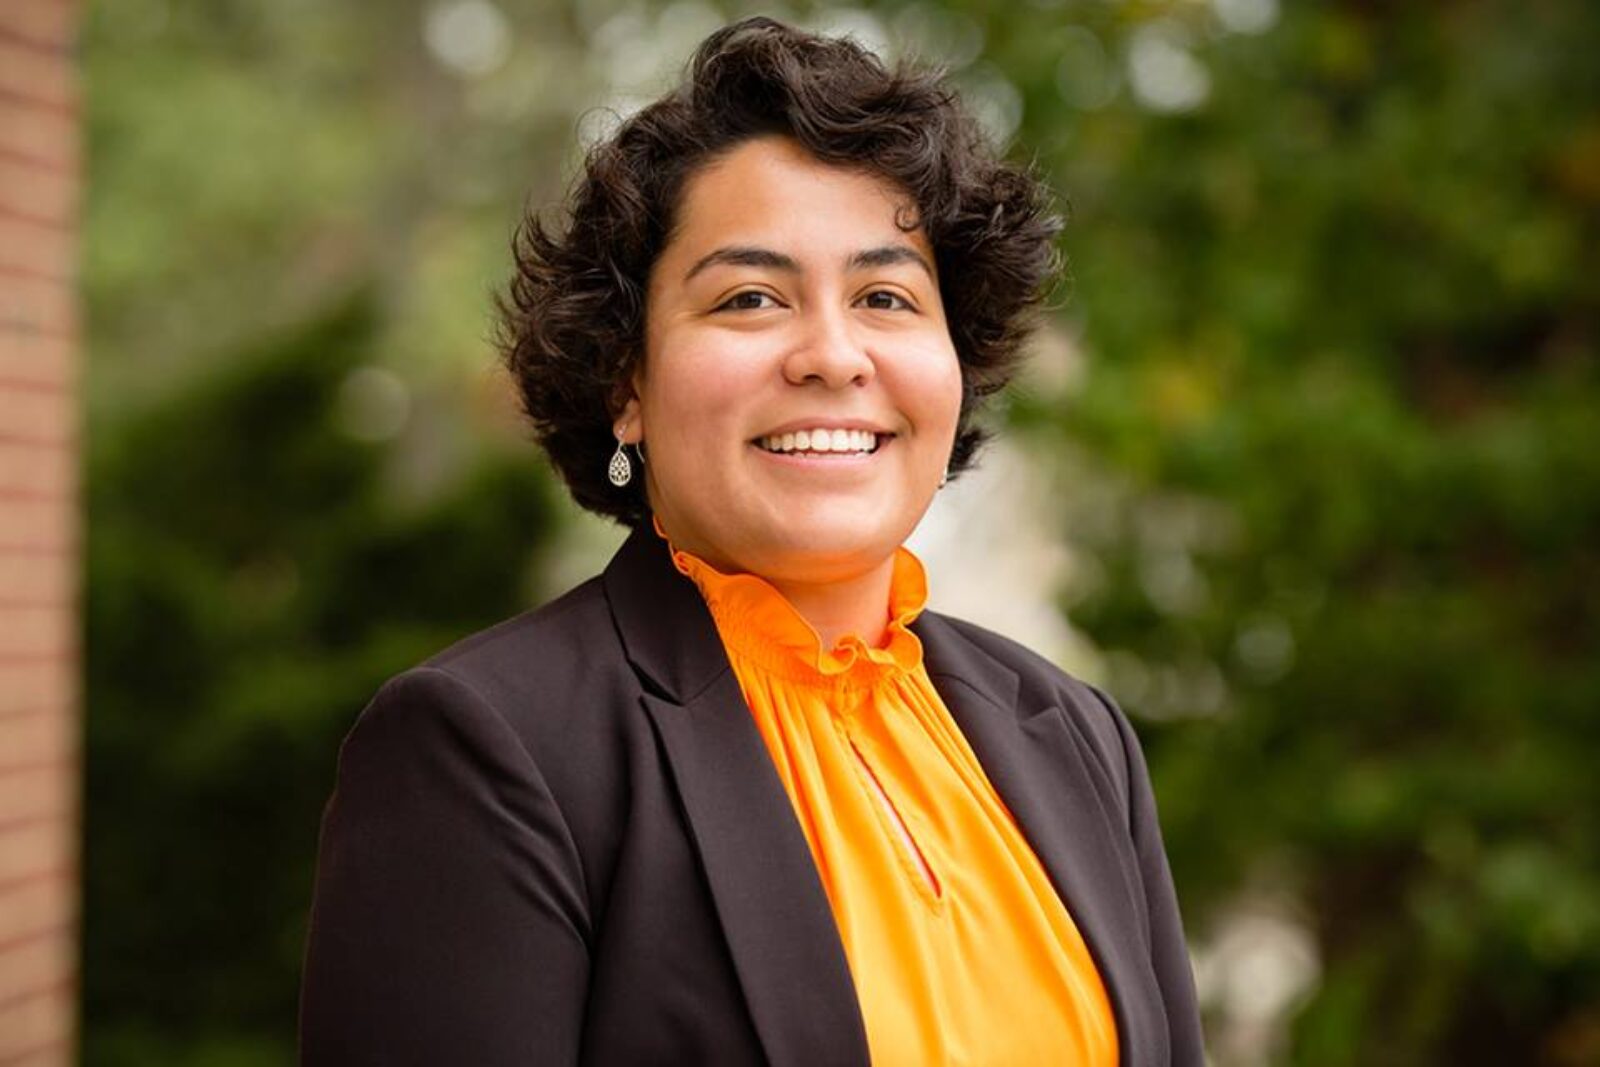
(249, 589)
(1326, 433)
(1342, 417)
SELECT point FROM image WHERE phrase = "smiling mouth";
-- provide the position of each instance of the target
(823, 442)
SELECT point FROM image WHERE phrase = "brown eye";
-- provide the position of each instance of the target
(883, 300)
(749, 300)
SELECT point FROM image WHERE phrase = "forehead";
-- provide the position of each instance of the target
(771, 190)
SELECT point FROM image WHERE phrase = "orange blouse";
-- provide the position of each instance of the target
(960, 949)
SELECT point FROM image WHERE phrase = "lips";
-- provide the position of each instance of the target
(822, 440)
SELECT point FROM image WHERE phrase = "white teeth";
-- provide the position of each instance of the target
(822, 439)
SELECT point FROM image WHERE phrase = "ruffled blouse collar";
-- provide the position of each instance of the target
(758, 622)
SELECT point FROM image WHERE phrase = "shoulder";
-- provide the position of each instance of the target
(526, 669)
(1015, 655)
(1041, 685)
(573, 626)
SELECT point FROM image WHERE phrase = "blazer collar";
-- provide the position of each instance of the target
(666, 629)
(780, 927)
(1041, 767)
(764, 883)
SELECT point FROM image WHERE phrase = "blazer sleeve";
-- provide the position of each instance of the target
(449, 922)
(1169, 952)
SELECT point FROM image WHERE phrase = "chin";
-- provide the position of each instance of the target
(823, 551)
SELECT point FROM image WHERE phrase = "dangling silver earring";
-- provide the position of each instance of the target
(619, 470)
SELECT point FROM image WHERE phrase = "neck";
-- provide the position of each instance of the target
(834, 606)
(858, 605)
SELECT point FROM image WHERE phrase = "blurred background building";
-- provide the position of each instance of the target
(1310, 441)
(39, 531)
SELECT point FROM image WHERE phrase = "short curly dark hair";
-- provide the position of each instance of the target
(571, 325)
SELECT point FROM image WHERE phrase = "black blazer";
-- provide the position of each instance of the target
(562, 841)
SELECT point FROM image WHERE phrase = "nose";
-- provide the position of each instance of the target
(830, 353)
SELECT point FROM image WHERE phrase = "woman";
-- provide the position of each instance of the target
(740, 799)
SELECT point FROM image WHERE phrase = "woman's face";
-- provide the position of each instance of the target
(788, 302)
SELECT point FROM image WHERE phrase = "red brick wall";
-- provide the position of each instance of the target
(39, 528)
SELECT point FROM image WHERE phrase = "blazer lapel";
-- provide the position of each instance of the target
(1039, 769)
(774, 912)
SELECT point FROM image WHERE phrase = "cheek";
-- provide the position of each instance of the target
(941, 390)
(694, 394)
(953, 389)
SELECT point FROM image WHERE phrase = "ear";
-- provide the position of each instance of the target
(629, 423)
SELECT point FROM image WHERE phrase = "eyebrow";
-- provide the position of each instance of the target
(750, 256)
